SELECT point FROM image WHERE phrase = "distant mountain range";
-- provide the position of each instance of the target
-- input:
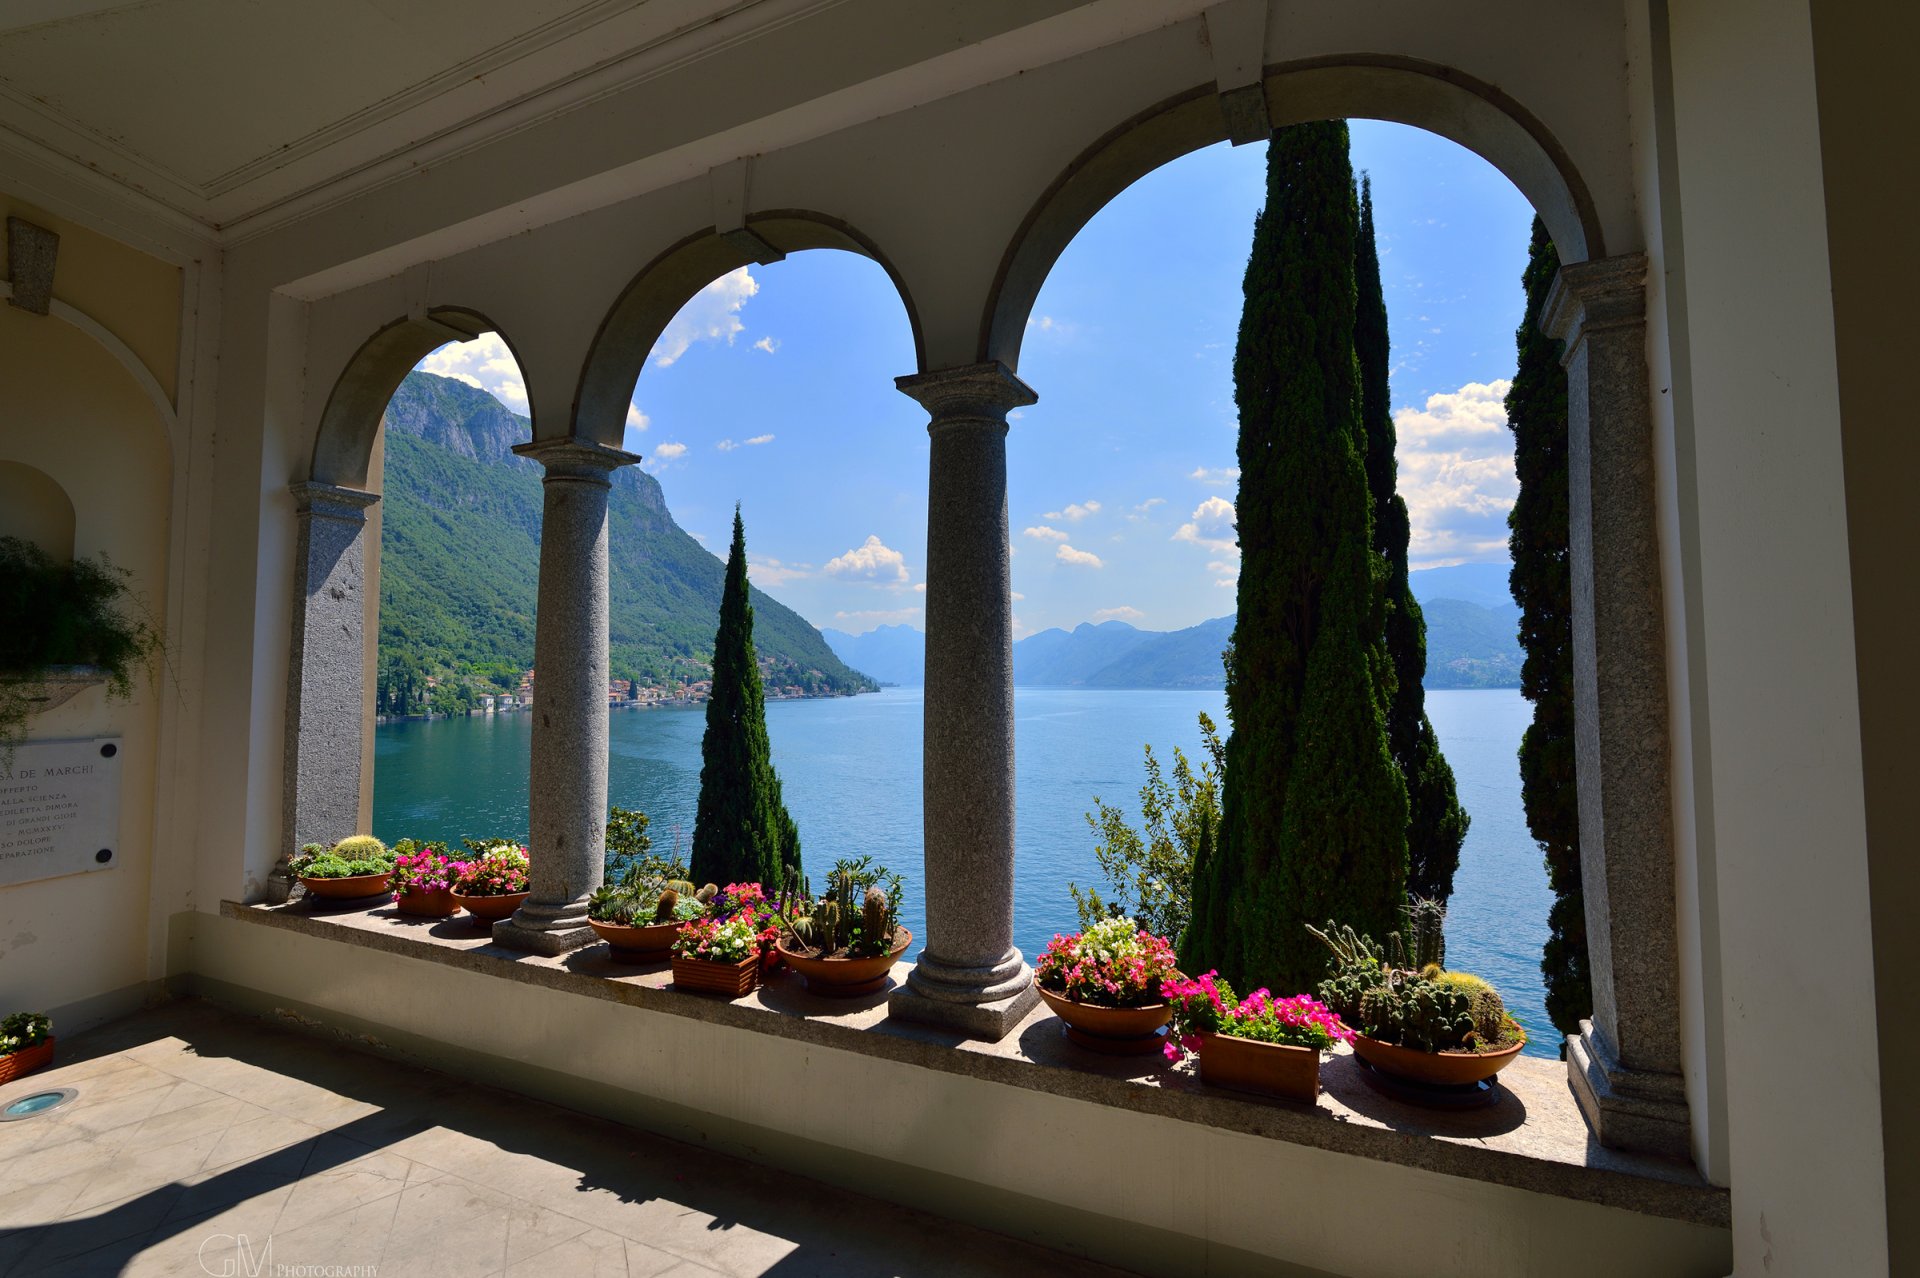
(460, 556)
(1472, 642)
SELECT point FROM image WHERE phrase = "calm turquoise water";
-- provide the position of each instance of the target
(851, 769)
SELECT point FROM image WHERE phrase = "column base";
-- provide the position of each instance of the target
(992, 1020)
(542, 931)
(1644, 1111)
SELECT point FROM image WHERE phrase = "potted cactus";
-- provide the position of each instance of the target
(845, 944)
(646, 897)
(1105, 984)
(423, 875)
(1254, 1044)
(352, 868)
(1414, 1020)
(722, 951)
(26, 1044)
(492, 885)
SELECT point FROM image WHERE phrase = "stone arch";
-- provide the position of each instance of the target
(1438, 99)
(350, 421)
(1625, 1064)
(664, 285)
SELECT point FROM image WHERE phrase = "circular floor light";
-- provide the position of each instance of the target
(37, 1104)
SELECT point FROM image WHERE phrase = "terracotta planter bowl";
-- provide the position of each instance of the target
(1111, 1031)
(650, 943)
(490, 908)
(427, 905)
(1433, 1069)
(23, 1062)
(349, 889)
(730, 980)
(1271, 1069)
(846, 977)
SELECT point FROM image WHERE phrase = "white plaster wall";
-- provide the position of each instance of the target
(77, 946)
(1777, 651)
(1220, 1189)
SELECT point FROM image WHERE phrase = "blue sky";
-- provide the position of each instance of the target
(774, 387)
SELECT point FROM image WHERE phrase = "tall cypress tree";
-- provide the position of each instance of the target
(1543, 587)
(741, 831)
(1436, 823)
(1314, 812)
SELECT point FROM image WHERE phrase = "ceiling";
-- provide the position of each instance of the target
(222, 109)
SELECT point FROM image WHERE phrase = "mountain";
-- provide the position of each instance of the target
(460, 556)
(1187, 658)
(1482, 584)
(891, 654)
(1470, 646)
(1061, 658)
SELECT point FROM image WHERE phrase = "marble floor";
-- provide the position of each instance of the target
(203, 1142)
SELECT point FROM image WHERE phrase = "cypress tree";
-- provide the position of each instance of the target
(741, 832)
(1436, 823)
(1314, 814)
(1543, 587)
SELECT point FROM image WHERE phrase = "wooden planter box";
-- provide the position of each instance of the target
(730, 980)
(25, 1061)
(1271, 1069)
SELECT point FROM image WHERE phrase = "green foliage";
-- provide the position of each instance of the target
(642, 886)
(1543, 587)
(23, 1030)
(857, 914)
(75, 614)
(355, 855)
(1413, 1011)
(1389, 993)
(1150, 875)
(1436, 823)
(329, 867)
(1314, 811)
(460, 555)
(742, 832)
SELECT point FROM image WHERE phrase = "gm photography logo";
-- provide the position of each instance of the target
(236, 1256)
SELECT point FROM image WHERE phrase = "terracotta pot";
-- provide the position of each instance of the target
(846, 977)
(1111, 1031)
(491, 908)
(1272, 1069)
(437, 904)
(25, 1061)
(350, 888)
(707, 977)
(651, 943)
(1434, 1069)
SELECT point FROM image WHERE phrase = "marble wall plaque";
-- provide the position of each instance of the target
(59, 808)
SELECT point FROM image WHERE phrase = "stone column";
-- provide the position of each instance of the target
(970, 977)
(1625, 1062)
(326, 674)
(567, 787)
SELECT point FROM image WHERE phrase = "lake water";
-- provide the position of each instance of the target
(851, 771)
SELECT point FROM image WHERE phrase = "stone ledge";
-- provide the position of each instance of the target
(1535, 1139)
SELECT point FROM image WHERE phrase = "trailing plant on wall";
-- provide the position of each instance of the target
(75, 614)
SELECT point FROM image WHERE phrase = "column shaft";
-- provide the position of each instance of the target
(567, 783)
(1625, 1062)
(971, 977)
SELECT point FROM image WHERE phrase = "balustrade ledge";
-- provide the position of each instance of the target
(1534, 1139)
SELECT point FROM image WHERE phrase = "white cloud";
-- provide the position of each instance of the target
(871, 617)
(768, 571)
(1051, 326)
(726, 445)
(1229, 572)
(1075, 513)
(1456, 474)
(637, 420)
(920, 588)
(667, 452)
(1150, 503)
(1080, 558)
(1211, 526)
(486, 363)
(1218, 477)
(1124, 612)
(767, 344)
(757, 440)
(1018, 597)
(711, 315)
(872, 560)
(1040, 532)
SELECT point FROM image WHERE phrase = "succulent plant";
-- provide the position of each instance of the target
(876, 919)
(361, 847)
(857, 913)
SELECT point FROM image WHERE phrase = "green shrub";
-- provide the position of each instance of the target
(328, 867)
(23, 1030)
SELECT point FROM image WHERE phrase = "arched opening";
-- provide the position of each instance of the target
(35, 508)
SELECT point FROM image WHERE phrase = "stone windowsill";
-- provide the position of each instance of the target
(1533, 1139)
